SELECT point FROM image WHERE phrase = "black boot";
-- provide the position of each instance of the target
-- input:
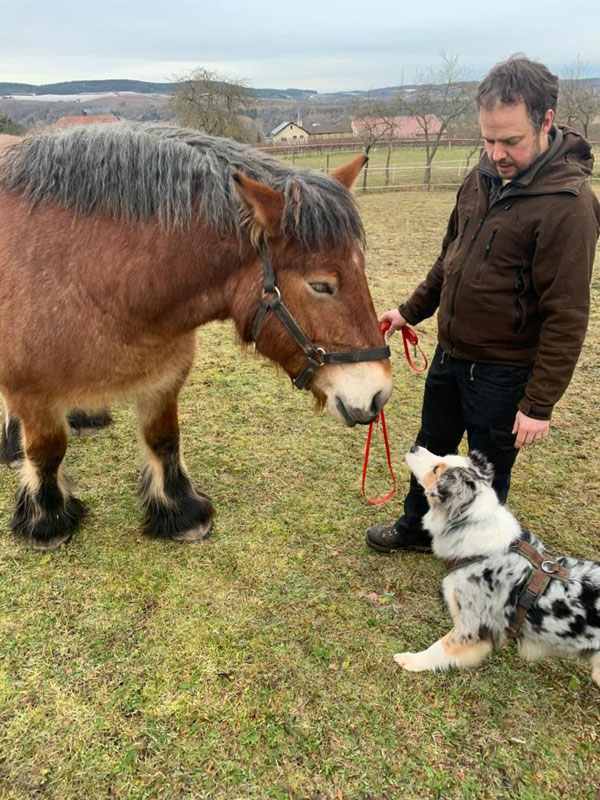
(398, 536)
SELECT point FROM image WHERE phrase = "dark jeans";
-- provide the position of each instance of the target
(480, 399)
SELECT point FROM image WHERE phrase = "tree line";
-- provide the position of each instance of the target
(441, 102)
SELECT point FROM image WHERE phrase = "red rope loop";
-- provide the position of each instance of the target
(409, 336)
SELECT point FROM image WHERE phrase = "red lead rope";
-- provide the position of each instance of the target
(409, 336)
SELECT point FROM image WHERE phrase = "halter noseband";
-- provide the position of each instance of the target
(316, 356)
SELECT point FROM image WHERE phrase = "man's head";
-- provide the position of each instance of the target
(517, 104)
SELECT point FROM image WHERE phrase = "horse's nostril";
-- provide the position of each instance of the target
(414, 448)
(376, 404)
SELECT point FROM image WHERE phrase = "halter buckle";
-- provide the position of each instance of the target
(274, 291)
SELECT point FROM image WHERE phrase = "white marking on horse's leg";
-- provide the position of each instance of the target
(30, 476)
(154, 475)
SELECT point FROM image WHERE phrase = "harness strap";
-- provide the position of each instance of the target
(544, 569)
(456, 563)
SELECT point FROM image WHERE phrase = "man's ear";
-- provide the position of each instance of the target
(347, 174)
(548, 120)
(263, 204)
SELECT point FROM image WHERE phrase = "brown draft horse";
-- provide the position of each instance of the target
(116, 243)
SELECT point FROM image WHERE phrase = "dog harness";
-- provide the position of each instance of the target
(544, 568)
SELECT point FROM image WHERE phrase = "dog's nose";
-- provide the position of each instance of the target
(414, 448)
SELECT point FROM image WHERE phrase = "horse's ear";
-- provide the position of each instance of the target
(264, 203)
(349, 172)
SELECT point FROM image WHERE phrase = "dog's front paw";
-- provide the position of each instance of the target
(409, 661)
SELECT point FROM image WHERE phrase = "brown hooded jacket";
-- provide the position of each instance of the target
(512, 279)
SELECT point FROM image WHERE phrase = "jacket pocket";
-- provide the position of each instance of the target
(486, 256)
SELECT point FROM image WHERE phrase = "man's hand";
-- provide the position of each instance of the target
(395, 318)
(529, 430)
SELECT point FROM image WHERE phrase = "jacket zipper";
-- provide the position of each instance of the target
(519, 286)
(459, 276)
(463, 229)
(486, 256)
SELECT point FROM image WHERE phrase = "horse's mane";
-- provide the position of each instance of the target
(137, 171)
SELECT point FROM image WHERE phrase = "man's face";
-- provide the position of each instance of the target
(511, 142)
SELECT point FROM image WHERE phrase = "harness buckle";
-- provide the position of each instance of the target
(550, 567)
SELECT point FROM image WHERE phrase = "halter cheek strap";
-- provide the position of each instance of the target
(316, 356)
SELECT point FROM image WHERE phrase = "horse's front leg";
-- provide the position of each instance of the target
(46, 512)
(173, 506)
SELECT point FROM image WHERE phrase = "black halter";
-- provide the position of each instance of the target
(316, 356)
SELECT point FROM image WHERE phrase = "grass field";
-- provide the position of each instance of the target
(259, 664)
(406, 168)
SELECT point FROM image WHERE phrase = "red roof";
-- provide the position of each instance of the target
(84, 119)
(404, 127)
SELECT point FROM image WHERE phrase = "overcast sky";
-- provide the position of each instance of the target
(327, 45)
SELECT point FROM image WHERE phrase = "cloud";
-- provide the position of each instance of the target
(327, 46)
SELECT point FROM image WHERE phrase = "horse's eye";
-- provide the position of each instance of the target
(435, 469)
(321, 287)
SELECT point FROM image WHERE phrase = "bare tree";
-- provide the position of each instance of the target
(210, 102)
(467, 128)
(373, 122)
(578, 100)
(439, 97)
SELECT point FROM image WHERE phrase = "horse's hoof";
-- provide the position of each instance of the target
(53, 543)
(194, 535)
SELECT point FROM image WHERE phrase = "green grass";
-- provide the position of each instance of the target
(406, 169)
(259, 664)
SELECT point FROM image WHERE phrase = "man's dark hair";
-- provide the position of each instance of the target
(520, 80)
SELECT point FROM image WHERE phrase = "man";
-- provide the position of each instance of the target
(511, 286)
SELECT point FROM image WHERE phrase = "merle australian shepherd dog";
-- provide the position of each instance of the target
(486, 589)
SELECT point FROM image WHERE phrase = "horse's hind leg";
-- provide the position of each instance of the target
(81, 421)
(173, 506)
(11, 448)
(46, 512)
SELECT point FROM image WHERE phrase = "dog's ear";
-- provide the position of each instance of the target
(482, 465)
(441, 490)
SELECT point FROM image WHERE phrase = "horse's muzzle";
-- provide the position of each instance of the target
(358, 416)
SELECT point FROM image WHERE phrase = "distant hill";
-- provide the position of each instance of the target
(85, 87)
(31, 105)
(140, 87)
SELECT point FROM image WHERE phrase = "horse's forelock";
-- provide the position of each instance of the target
(139, 171)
